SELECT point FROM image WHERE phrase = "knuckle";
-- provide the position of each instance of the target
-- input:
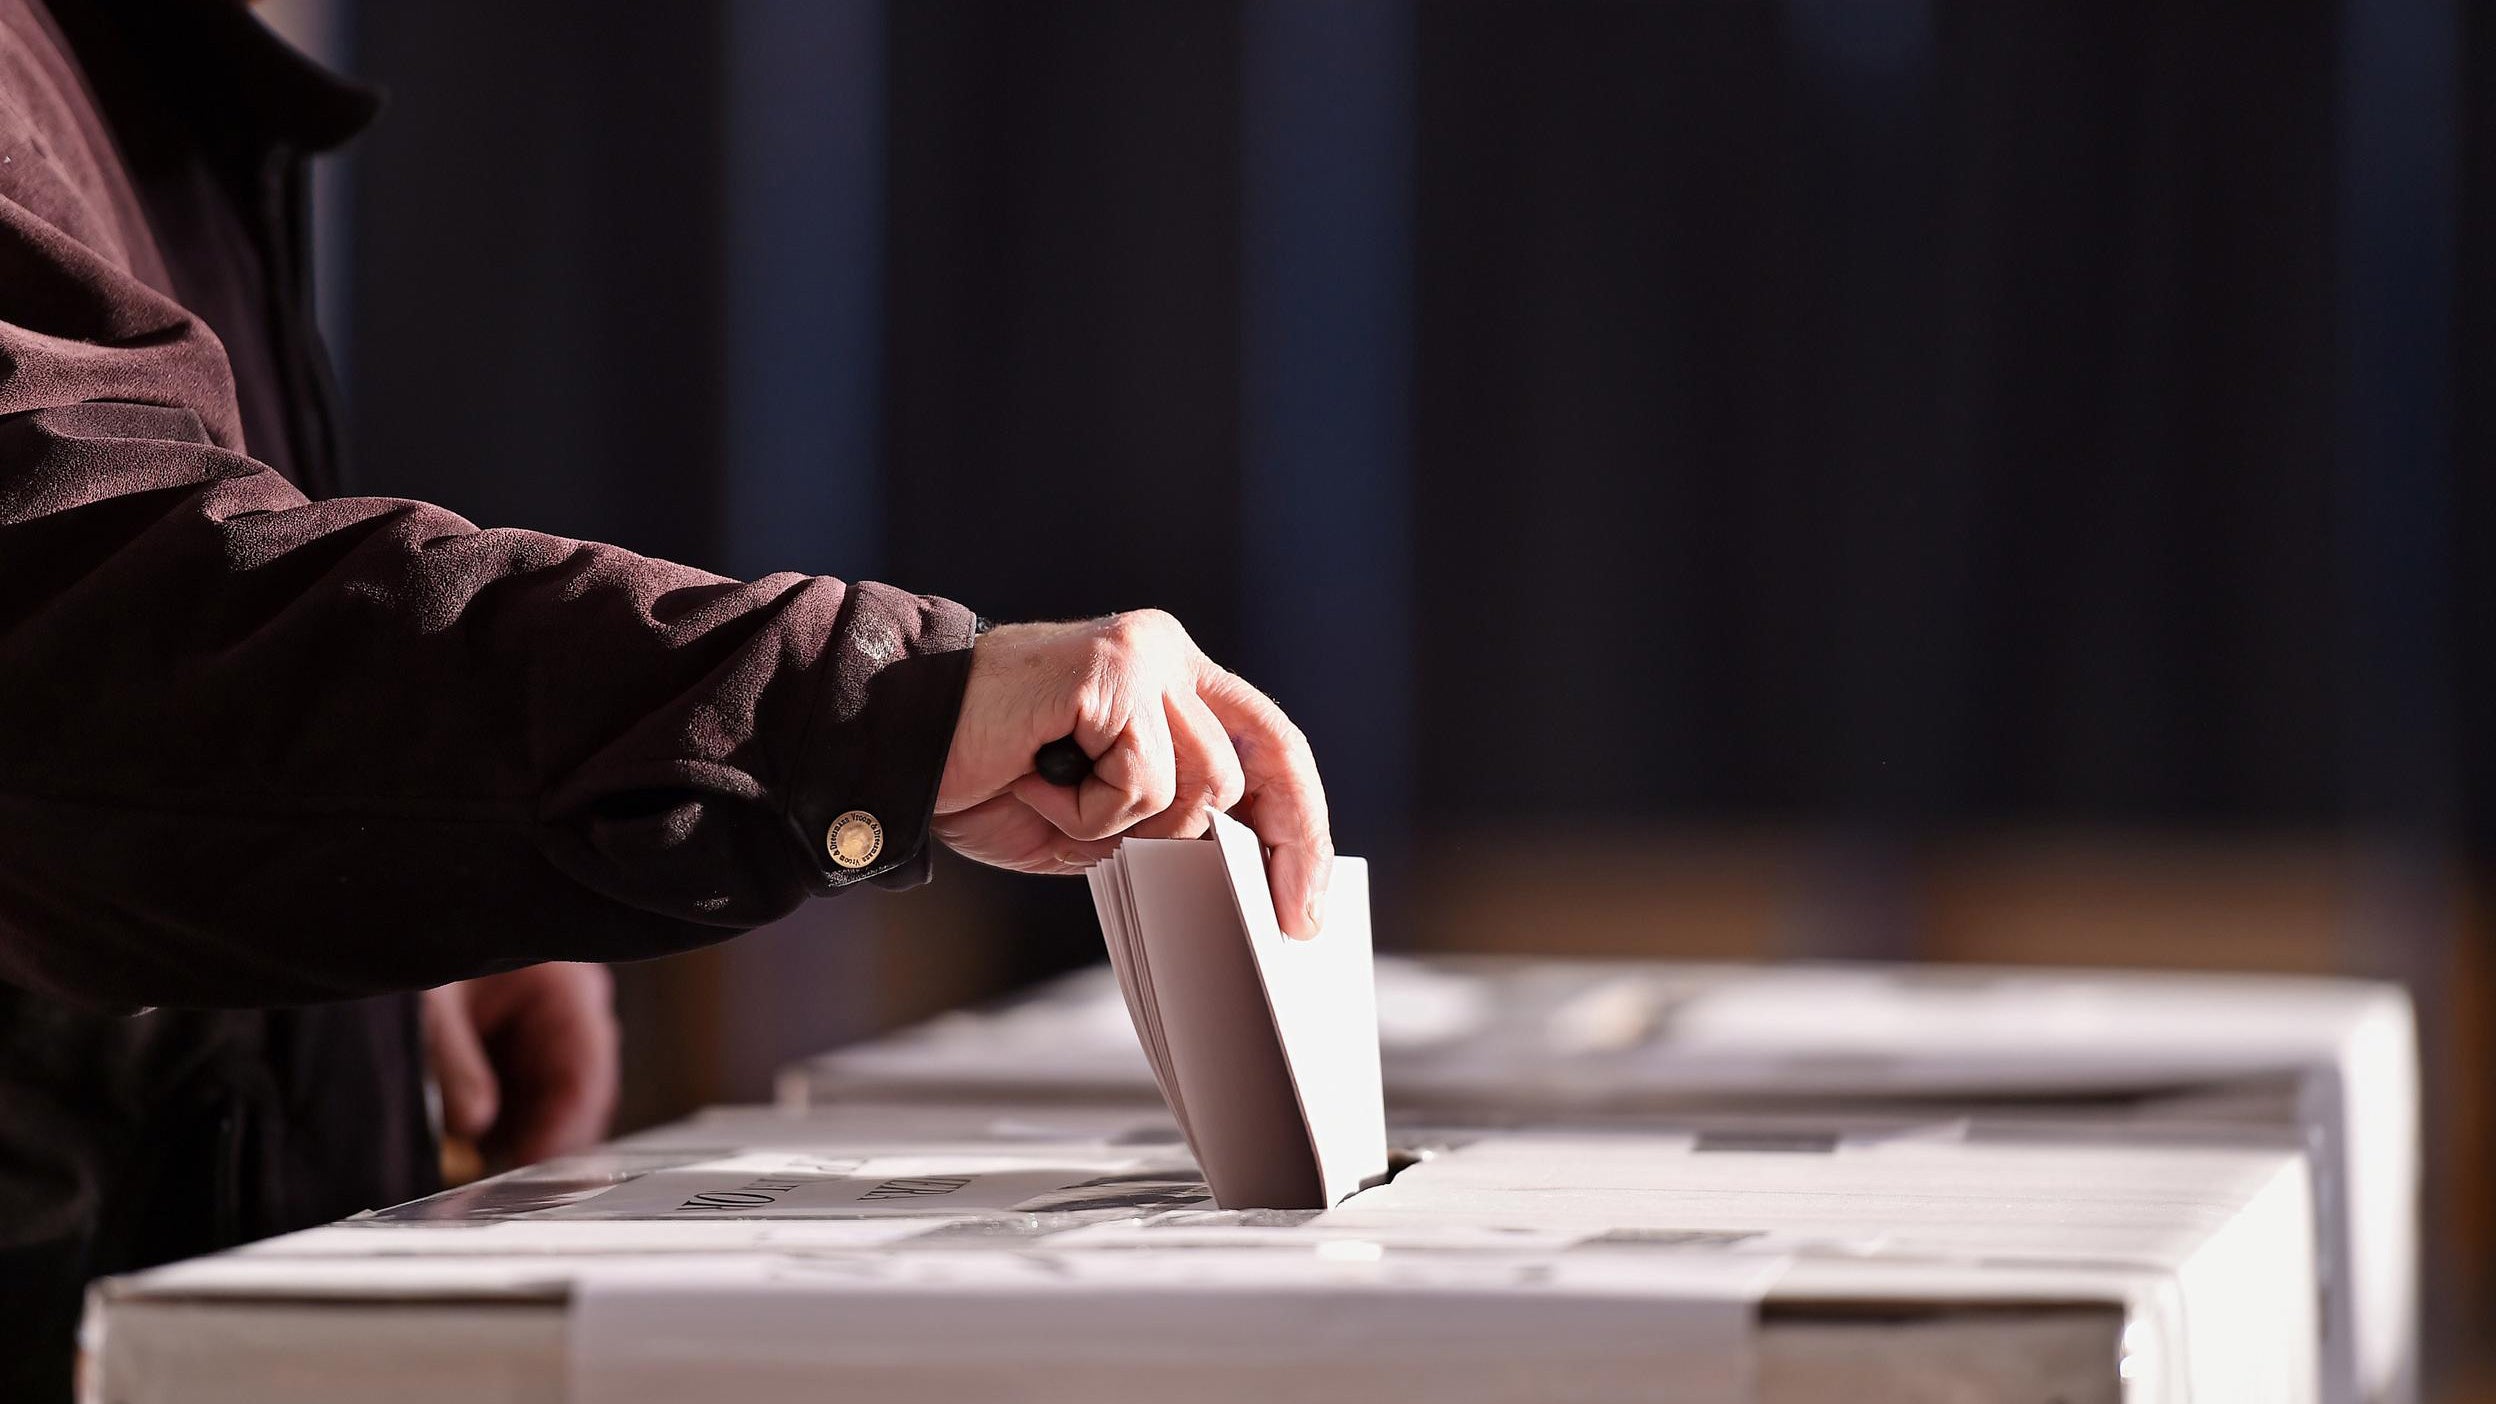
(1135, 628)
(1307, 821)
(1292, 745)
(1161, 792)
(1280, 730)
(1149, 631)
(1227, 790)
(1229, 778)
(1247, 695)
(1206, 796)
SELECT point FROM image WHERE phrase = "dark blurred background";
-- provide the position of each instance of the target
(1891, 478)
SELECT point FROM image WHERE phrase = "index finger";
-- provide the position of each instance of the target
(1284, 802)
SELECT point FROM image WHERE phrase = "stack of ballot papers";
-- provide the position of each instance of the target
(1264, 1048)
(2330, 1064)
(927, 1255)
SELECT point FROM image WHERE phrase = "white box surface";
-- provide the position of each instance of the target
(930, 1254)
(2125, 1054)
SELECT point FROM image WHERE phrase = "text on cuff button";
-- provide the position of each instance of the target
(855, 839)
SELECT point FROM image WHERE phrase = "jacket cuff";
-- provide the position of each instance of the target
(867, 769)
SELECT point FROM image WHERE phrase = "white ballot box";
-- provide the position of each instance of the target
(2135, 1055)
(921, 1254)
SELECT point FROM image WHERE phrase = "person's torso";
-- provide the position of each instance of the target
(212, 121)
(131, 1140)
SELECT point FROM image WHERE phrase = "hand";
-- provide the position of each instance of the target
(527, 1060)
(1174, 740)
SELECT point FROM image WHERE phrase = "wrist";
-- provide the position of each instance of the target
(864, 785)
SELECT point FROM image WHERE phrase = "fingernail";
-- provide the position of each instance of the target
(1317, 912)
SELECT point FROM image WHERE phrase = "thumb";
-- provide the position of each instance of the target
(471, 1098)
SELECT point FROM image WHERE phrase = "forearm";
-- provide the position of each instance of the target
(256, 749)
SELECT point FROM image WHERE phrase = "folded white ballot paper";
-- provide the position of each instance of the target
(1266, 1048)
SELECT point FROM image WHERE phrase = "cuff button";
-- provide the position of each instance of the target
(854, 839)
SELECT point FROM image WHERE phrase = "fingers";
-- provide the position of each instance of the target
(1284, 801)
(1208, 775)
(471, 1096)
(1007, 833)
(561, 1048)
(1133, 778)
(1173, 741)
(1099, 679)
(568, 1113)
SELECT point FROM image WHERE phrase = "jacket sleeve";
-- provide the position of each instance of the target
(256, 750)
